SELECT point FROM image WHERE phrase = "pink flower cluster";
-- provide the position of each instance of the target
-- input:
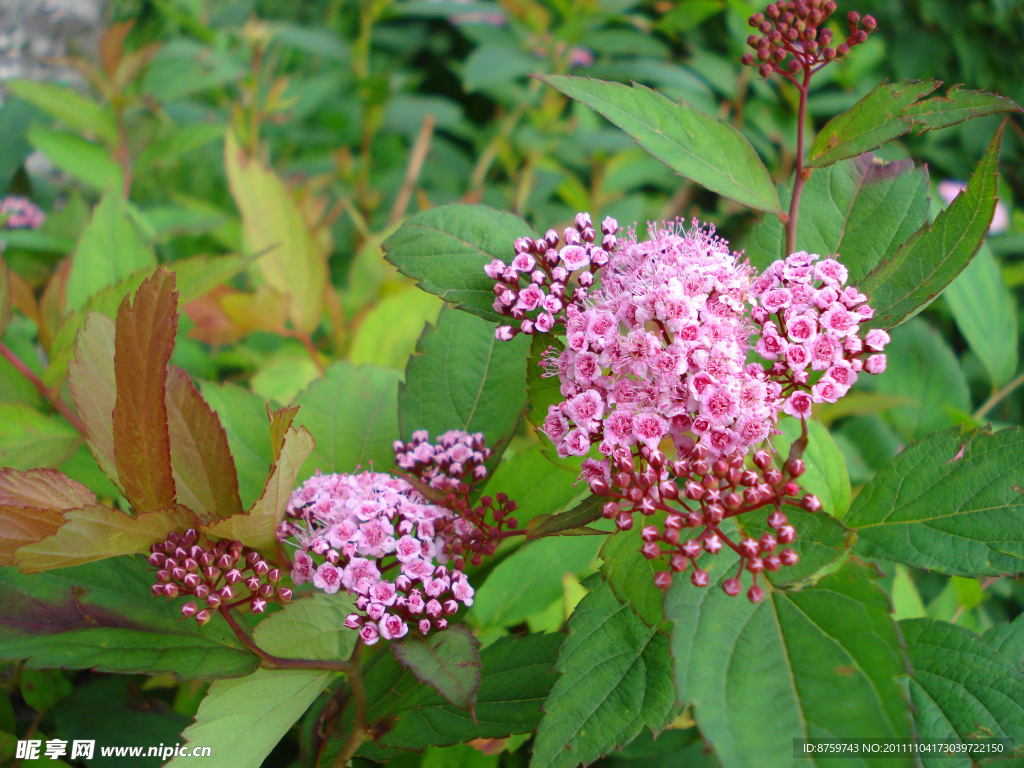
(660, 351)
(351, 530)
(809, 321)
(21, 213)
(457, 457)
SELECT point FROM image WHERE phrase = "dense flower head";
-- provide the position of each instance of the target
(350, 530)
(457, 457)
(20, 213)
(222, 574)
(677, 364)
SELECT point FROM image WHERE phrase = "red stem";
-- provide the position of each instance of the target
(801, 174)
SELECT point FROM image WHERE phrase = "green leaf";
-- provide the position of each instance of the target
(352, 414)
(922, 369)
(700, 147)
(530, 579)
(631, 576)
(496, 64)
(826, 475)
(86, 161)
(961, 689)
(295, 260)
(445, 249)
(244, 418)
(74, 110)
(243, 719)
(906, 600)
(205, 479)
(821, 541)
(93, 385)
(616, 679)
(949, 503)
(893, 109)
(986, 314)
(515, 680)
(447, 661)
(464, 378)
(5, 298)
(143, 341)
(861, 209)
(1007, 639)
(103, 616)
(30, 439)
(904, 283)
(110, 249)
(819, 662)
(387, 335)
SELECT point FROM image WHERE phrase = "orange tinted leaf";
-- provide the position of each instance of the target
(204, 472)
(256, 529)
(280, 422)
(25, 525)
(42, 489)
(5, 296)
(97, 532)
(142, 347)
(92, 380)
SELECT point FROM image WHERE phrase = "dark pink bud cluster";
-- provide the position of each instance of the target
(18, 212)
(221, 574)
(809, 322)
(693, 495)
(351, 530)
(794, 37)
(549, 274)
(457, 457)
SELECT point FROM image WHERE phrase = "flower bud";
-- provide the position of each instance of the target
(755, 594)
(732, 587)
(663, 580)
(699, 578)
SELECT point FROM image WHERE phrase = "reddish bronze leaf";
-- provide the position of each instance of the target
(42, 489)
(25, 525)
(92, 381)
(204, 472)
(97, 532)
(142, 346)
(280, 421)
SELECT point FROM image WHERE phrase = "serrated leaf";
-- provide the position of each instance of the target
(701, 147)
(530, 579)
(962, 689)
(464, 378)
(446, 248)
(949, 503)
(22, 525)
(986, 314)
(30, 439)
(110, 249)
(587, 511)
(352, 414)
(616, 679)
(93, 384)
(43, 489)
(903, 284)
(861, 209)
(631, 576)
(205, 479)
(97, 532)
(103, 616)
(295, 262)
(256, 528)
(447, 661)
(893, 109)
(821, 540)
(515, 680)
(71, 108)
(143, 341)
(826, 475)
(820, 662)
(312, 628)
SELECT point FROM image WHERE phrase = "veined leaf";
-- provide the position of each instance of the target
(86, 161)
(93, 384)
(71, 108)
(949, 503)
(23, 525)
(143, 341)
(700, 147)
(30, 439)
(616, 679)
(819, 662)
(445, 249)
(31, 505)
(587, 511)
(905, 283)
(448, 661)
(826, 475)
(893, 109)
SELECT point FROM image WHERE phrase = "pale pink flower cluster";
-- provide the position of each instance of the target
(660, 351)
(457, 457)
(21, 213)
(809, 321)
(351, 530)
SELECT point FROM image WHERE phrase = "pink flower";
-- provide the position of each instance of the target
(577, 443)
(798, 405)
(530, 298)
(393, 627)
(875, 364)
(328, 578)
(574, 257)
(876, 340)
(383, 592)
(302, 568)
(369, 633)
(463, 591)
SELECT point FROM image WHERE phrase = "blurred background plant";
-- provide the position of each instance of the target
(263, 149)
